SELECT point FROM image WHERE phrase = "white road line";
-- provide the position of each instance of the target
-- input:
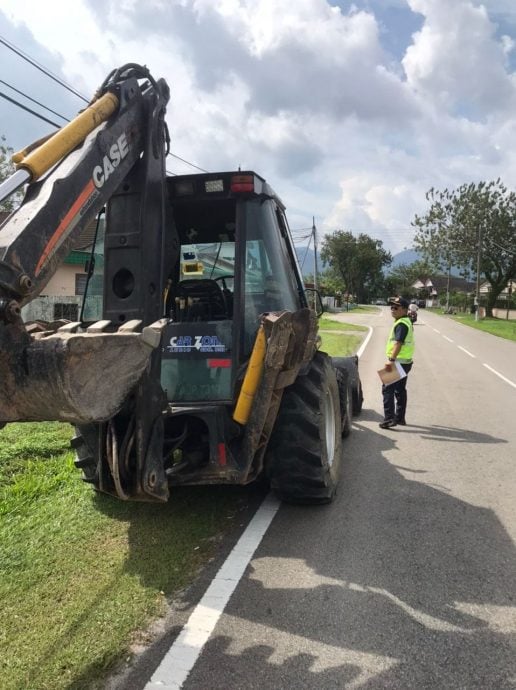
(362, 347)
(182, 655)
(466, 351)
(511, 383)
(449, 339)
(435, 329)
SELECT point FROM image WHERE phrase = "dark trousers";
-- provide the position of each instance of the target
(395, 398)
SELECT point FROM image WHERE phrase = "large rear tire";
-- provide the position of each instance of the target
(304, 452)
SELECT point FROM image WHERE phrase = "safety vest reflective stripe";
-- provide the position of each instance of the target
(407, 349)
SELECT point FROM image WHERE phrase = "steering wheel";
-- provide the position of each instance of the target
(223, 280)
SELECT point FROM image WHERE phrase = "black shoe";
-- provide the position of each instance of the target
(401, 422)
(387, 424)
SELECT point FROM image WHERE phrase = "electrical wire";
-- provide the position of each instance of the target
(499, 246)
(45, 71)
(49, 74)
(306, 252)
(32, 112)
(188, 162)
(33, 100)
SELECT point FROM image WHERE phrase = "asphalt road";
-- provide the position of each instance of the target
(408, 580)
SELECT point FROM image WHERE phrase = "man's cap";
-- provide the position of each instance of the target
(398, 302)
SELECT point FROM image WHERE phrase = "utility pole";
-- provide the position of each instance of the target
(314, 234)
(448, 290)
(479, 252)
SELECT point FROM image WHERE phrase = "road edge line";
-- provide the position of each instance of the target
(177, 663)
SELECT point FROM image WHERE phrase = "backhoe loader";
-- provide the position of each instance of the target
(195, 358)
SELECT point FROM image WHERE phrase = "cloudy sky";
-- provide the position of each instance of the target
(351, 110)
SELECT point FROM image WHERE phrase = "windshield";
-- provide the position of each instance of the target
(212, 260)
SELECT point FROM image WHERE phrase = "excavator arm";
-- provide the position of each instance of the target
(114, 150)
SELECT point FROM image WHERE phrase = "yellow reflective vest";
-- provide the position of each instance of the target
(406, 353)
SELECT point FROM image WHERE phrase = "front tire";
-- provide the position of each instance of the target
(304, 452)
(84, 443)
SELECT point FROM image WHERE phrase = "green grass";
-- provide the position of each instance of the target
(81, 573)
(340, 345)
(366, 309)
(500, 327)
(326, 324)
(341, 341)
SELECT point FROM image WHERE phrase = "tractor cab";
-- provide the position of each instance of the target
(231, 269)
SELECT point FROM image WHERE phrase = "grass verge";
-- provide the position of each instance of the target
(340, 345)
(339, 342)
(81, 573)
(500, 327)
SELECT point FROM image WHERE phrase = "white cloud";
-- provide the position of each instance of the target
(302, 92)
(457, 61)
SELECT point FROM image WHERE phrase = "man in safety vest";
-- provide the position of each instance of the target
(399, 348)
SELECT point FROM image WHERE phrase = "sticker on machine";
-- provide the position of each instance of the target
(195, 343)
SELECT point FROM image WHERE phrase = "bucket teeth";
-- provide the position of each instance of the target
(72, 375)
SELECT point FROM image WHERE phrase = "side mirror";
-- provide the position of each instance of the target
(315, 302)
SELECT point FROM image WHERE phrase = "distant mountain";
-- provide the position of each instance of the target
(306, 261)
(407, 256)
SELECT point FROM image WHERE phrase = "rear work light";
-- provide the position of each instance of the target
(242, 183)
(214, 186)
(184, 188)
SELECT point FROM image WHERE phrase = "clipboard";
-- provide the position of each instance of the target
(396, 374)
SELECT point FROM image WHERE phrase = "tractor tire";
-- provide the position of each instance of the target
(346, 402)
(350, 364)
(84, 443)
(304, 451)
(358, 399)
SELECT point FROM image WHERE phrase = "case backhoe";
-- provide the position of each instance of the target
(195, 359)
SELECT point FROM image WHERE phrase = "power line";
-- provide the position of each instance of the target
(32, 112)
(33, 100)
(188, 162)
(45, 71)
(306, 252)
(503, 249)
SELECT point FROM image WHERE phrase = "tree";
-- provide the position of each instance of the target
(400, 280)
(357, 262)
(473, 227)
(6, 170)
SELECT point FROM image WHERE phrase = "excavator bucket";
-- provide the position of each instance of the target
(71, 376)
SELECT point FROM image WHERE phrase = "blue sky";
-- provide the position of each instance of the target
(351, 110)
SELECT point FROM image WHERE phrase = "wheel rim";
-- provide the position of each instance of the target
(329, 426)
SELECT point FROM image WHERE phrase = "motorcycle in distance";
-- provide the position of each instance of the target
(412, 312)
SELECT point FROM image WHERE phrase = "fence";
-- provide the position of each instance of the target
(52, 308)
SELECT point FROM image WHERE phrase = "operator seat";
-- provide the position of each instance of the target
(204, 300)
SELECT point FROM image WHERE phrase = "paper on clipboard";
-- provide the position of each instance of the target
(396, 374)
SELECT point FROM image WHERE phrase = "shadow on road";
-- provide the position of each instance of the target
(434, 432)
(395, 585)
